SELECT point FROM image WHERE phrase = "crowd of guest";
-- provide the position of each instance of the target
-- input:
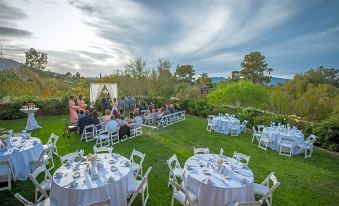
(117, 114)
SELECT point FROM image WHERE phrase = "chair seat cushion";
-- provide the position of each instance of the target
(260, 189)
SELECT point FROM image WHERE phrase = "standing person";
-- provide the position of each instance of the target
(105, 104)
(114, 105)
(81, 104)
(126, 105)
(120, 104)
(72, 110)
(132, 102)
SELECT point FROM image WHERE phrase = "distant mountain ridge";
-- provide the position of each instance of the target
(274, 80)
(8, 64)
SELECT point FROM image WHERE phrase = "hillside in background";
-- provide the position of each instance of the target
(274, 81)
(8, 64)
(277, 80)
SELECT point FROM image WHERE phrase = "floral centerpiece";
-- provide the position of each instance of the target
(92, 158)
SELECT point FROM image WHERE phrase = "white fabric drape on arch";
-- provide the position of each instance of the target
(112, 90)
(96, 89)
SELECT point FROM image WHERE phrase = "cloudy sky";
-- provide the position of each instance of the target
(95, 37)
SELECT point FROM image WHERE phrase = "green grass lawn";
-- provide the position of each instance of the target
(313, 181)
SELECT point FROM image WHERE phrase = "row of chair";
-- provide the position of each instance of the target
(188, 198)
(105, 137)
(165, 120)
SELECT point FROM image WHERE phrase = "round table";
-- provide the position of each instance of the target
(21, 151)
(31, 122)
(223, 124)
(114, 180)
(277, 133)
(218, 180)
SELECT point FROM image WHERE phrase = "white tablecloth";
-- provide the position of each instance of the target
(277, 134)
(234, 185)
(223, 124)
(31, 122)
(21, 152)
(90, 190)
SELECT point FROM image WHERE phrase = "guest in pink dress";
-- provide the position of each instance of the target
(81, 104)
(73, 110)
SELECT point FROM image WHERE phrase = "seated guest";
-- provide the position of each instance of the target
(112, 125)
(81, 114)
(116, 114)
(84, 121)
(95, 117)
(171, 108)
(119, 121)
(107, 116)
(121, 114)
(138, 119)
(167, 111)
(130, 119)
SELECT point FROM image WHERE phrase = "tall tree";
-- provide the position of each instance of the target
(35, 59)
(163, 64)
(204, 80)
(137, 68)
(185, 73)
(235, 76)
(254, 67)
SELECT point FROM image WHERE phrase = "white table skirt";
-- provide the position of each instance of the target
(32, 124)
(277, 135)
(219, 193)
(20, 159)
(223, 124)
(89, 191)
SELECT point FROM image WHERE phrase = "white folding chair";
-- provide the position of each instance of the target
(48, 157)
(114, 136)
(235, 130)
(265, 190)
(201, 150)
(46, 202)
(53, 139)
(286, 145)
(6, 172)
(106, 202)
(69, 156)
(182, 195)
(244, 159)
(260, 128)
(102, 150)
(256, 135)
(137, 167)
(307, 146)
(89, 133)
(210, 123)
(243, 126)
(103, 138)
(141, 189)
(175, 170)
(44, 185)
(265, 141)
